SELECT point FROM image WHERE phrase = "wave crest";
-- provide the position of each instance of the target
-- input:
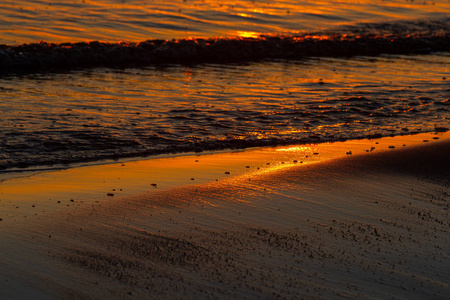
(418, 37)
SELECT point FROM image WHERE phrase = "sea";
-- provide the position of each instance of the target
(92, 80)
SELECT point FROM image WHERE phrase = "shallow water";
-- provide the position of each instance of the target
(104, 113)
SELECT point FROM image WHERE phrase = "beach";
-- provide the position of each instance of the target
(208, 150)
(357, 219)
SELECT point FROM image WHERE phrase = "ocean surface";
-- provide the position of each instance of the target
(91, 80)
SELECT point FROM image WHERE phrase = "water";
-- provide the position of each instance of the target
(27, 21)
(343, 81)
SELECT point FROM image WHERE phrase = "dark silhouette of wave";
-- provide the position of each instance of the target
(418, 37)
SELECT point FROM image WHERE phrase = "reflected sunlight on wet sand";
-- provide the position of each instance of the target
(257, 223)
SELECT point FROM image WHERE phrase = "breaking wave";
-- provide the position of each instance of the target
(403, 37)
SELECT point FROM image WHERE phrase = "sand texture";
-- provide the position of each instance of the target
(369, 226)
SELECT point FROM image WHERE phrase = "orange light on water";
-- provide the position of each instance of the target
(247, 34)
(143, 20)
(295, 149)
(245, 15)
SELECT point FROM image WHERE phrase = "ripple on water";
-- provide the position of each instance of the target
(110, 113)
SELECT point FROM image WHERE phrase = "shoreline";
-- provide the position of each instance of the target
(17, 172)
(369, 224)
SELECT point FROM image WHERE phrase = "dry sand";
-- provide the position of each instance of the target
(374, 224)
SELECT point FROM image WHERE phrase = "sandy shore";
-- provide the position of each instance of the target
(295, 222)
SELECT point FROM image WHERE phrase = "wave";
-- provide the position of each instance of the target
(325, 121)
(404, 37)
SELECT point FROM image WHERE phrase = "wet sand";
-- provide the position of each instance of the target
(312, 222)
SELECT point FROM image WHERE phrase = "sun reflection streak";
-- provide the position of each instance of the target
(247, 34)
(295, 149)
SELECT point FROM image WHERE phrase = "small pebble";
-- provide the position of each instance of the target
(227, 172)
(391, 147)
(109, 195)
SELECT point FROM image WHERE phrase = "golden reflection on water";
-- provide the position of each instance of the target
(247, 34)
(294, 149)
(220, 103)
(111, 20)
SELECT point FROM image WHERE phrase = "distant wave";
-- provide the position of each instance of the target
(412, 37)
